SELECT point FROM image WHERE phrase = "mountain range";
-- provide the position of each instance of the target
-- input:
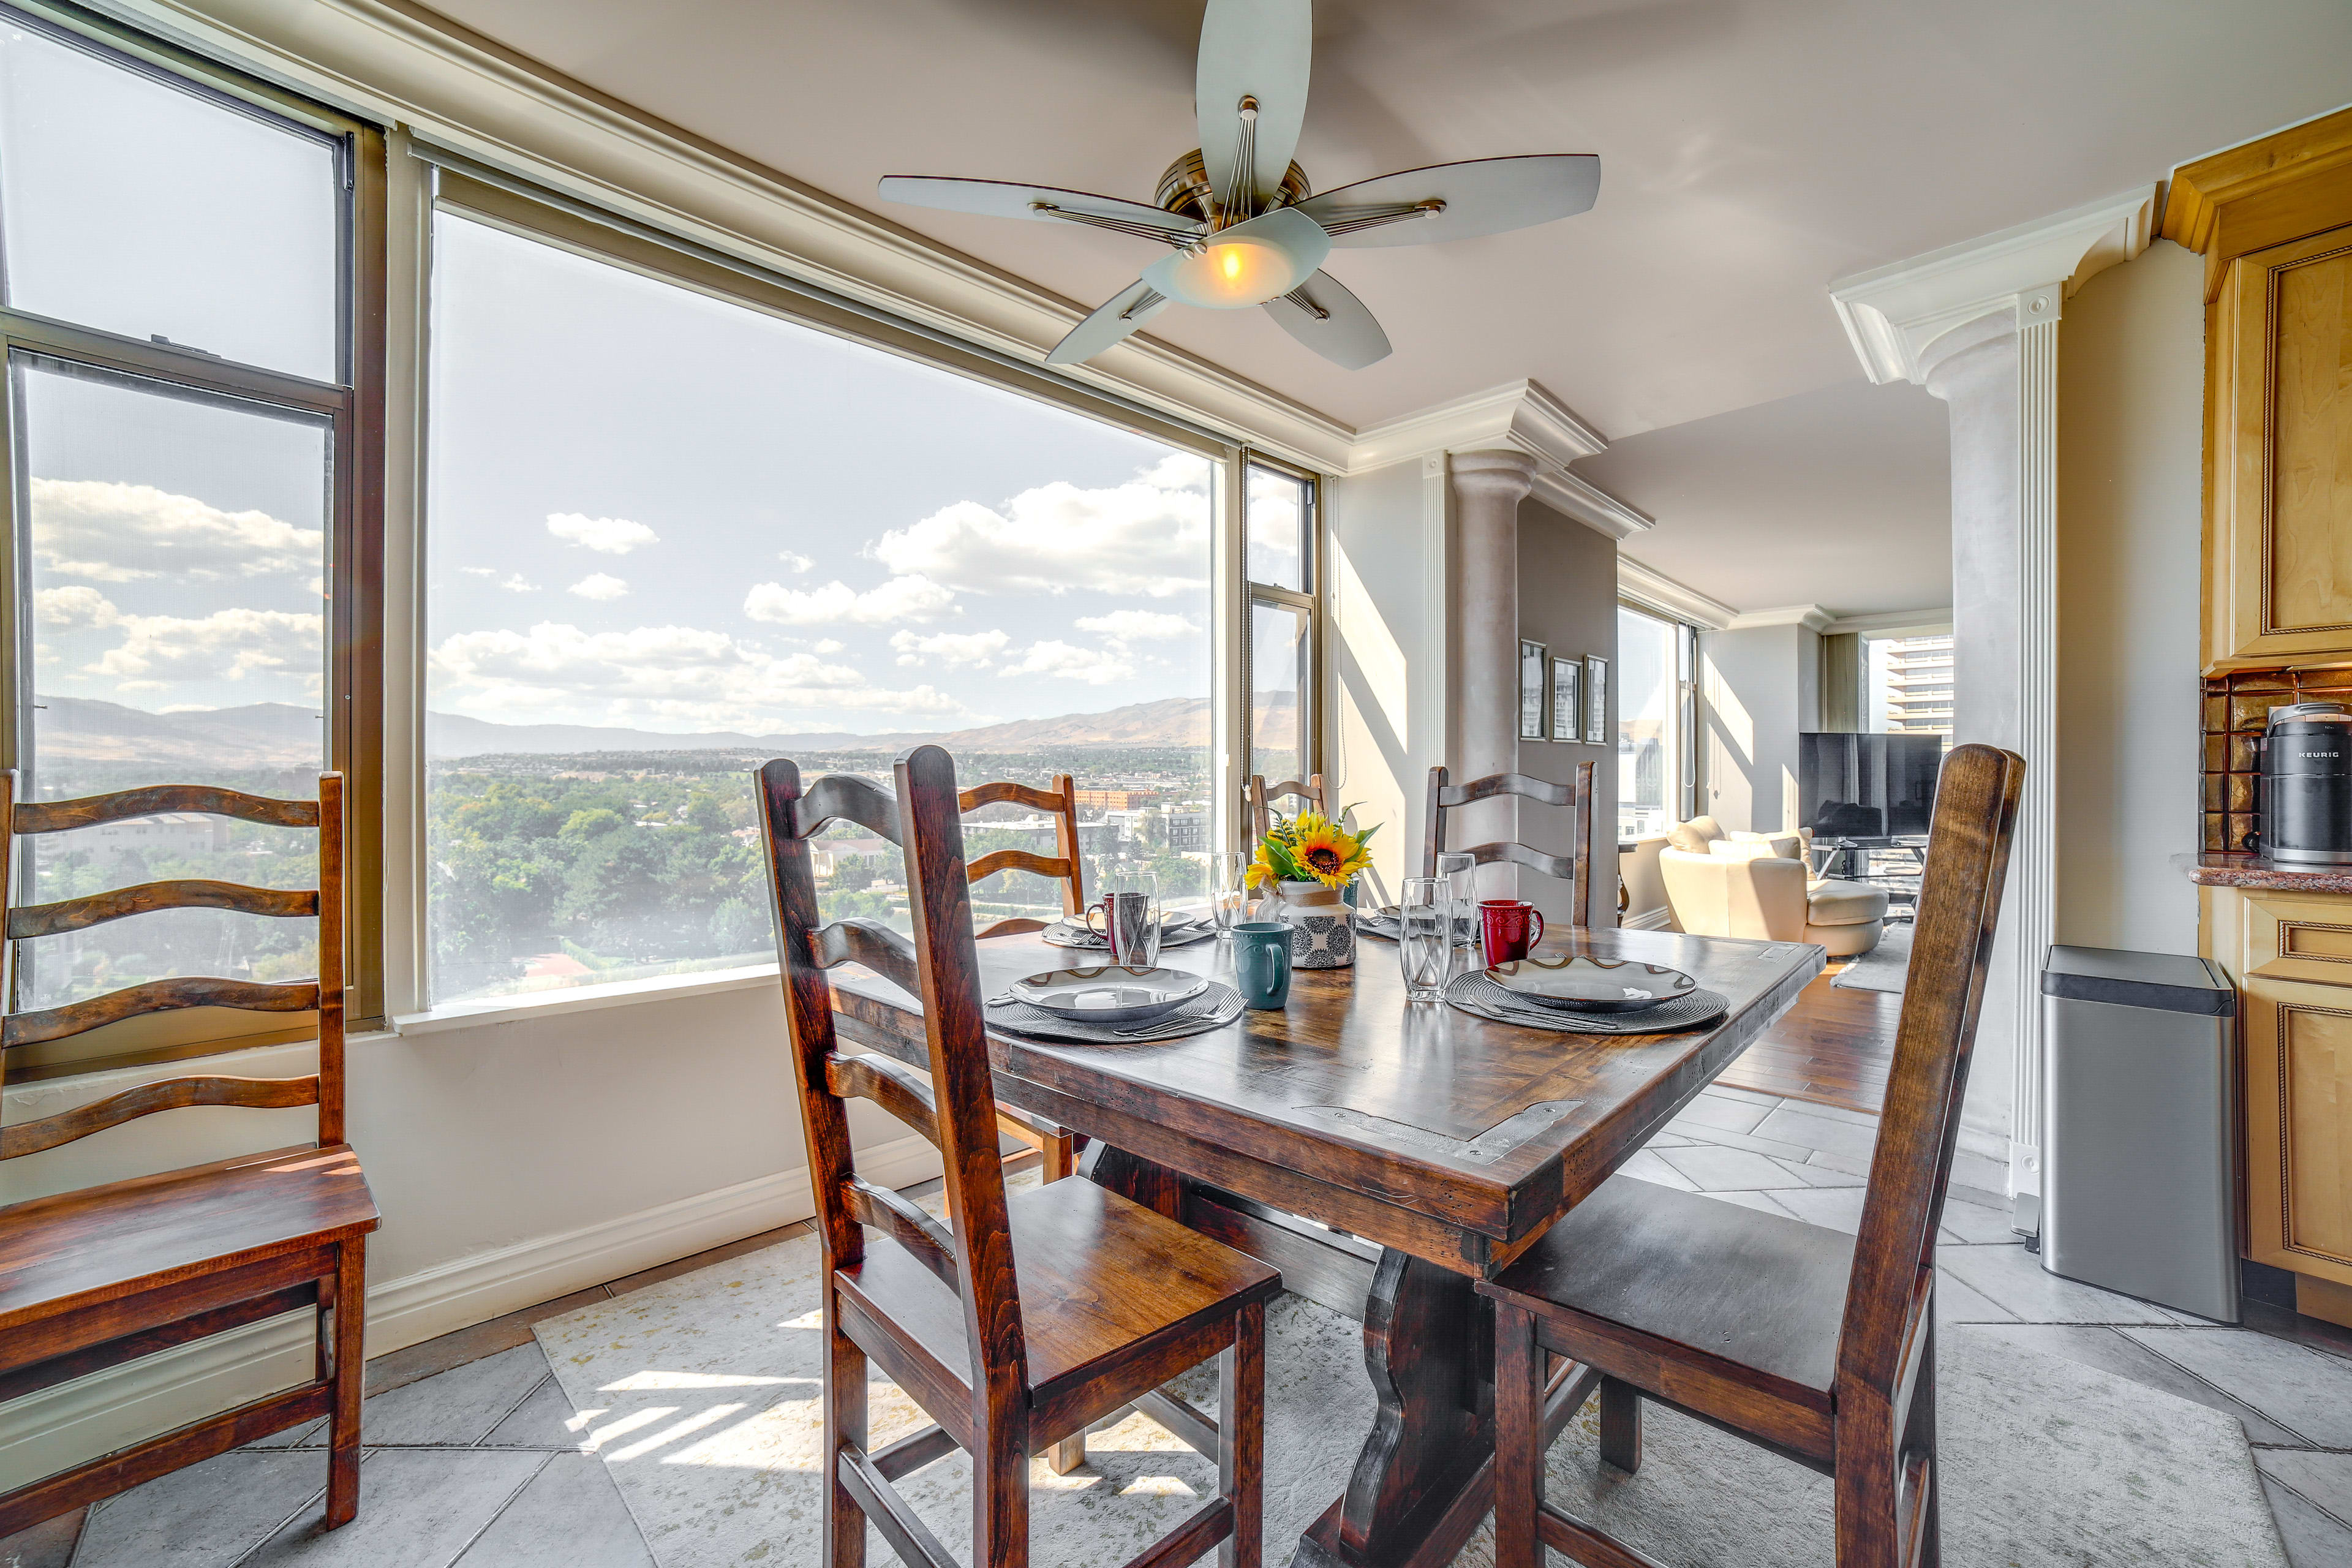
(277, 735)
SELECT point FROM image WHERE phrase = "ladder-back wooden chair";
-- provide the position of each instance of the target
(1817, 1346)
(104, 1275)
(1262, 797)
(1058, 1146)
(1027, 1317)
(1575, 868)
(1064, 865)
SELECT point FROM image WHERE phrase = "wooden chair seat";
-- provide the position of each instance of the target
(77, 1250)
(1107, 1287)
(1647, 1276)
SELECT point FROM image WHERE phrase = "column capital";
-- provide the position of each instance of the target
(1501, 476)
(1894, 315)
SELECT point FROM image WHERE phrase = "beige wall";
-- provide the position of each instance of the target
(1567, 601)
(2130, 402)
(1759, 687)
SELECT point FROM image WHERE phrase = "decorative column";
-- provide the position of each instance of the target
(1977, 324)
(1488, 490)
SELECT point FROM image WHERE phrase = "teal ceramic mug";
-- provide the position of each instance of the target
(1262, 963)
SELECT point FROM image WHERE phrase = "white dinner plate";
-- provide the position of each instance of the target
(1579, 982)
(1110, 993)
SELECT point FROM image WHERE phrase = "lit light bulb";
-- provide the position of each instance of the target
(1245, 265)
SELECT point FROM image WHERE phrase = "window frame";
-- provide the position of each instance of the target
(354, 607)
(1684, 701)
(1306, 600)
(482, 193)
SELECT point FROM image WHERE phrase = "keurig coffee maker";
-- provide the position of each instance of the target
(2307, 779)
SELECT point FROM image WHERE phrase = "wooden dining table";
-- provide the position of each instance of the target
(1384, 1154)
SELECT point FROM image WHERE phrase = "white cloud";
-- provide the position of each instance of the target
(111, 533)
(827, 645)
(599, 585)
(1122, 627)
(228, 644)
(1148, 537)
(663, 673)
(517, 583)
(899, 599)
(74, 606)
(479, 571)
(795, 561)
(1095, 667)
(609, 535)
(956, 649)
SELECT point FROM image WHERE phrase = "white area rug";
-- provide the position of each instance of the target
(1886, 967)
(702, 1395)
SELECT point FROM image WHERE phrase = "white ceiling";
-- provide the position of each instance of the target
(1753, 151)
(1739, 500)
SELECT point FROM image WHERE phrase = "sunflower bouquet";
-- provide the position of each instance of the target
(1310, 848)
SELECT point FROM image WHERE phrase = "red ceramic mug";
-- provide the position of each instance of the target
(1511, 928)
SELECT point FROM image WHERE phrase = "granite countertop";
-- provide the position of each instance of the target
(2214, 871)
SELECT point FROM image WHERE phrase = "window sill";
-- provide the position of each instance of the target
(582, 999)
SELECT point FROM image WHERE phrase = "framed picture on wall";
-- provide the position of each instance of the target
(1567, 717)
(1596, 700)
(1531, 690)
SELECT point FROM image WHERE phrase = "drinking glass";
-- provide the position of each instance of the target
(1130, 906)
(1458, 869)
(1228, 890)
(1425, 936)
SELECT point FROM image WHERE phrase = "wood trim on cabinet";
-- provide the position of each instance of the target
(2266, 192)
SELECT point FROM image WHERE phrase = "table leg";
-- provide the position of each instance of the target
(1429, 1347)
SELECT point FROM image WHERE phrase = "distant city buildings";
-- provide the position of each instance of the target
(1117, 799)
(1918, 686)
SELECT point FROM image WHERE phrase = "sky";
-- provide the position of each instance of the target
(646, 507)
(654, 508)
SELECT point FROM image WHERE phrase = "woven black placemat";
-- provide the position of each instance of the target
(1473, 992)
(1062, 935)
(1382, 923)
(1215, 1008)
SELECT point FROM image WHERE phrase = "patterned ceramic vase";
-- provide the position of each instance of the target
(1322, 930)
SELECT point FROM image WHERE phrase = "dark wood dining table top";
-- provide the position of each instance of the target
(1414, 1124)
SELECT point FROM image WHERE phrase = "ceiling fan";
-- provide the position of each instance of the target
(1242, 223)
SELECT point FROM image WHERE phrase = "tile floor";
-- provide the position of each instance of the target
(476, 1460)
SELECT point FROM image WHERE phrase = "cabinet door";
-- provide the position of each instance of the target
(2298, 1043)
(2282, 547)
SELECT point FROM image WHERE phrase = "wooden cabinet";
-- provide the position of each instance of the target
(2292, 956)
(2280, 572)
(2273, 220)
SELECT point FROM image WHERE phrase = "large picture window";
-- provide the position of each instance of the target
(187, 423)
(1654, 728)
(1279, 523)
(673, 535)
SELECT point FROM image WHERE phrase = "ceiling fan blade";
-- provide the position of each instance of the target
(1259, 50)
(1111, 323)
(1322, 314)
(1484, 195)
(1007, 199)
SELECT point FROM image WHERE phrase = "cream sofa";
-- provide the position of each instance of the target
(1760, 885)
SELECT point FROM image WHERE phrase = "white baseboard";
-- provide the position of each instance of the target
(45, 1432)
(1658, 918)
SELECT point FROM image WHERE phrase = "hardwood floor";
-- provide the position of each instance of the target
(1833, 1048)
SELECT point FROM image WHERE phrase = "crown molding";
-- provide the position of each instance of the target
(1519, 414)
(1894, 623)
(405, 65)
(1812, 617)
(1648, 586)
(1893, 313)
(1574, 496)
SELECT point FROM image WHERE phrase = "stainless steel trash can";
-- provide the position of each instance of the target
(2139, 1108)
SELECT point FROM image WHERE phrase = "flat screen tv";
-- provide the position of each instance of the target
(1867, 786)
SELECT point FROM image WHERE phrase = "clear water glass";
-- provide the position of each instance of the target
(1228, 890)
(1425, 936)
(1458, 869)
(1131, 905)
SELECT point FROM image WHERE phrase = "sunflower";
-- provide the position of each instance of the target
(1324, 850)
